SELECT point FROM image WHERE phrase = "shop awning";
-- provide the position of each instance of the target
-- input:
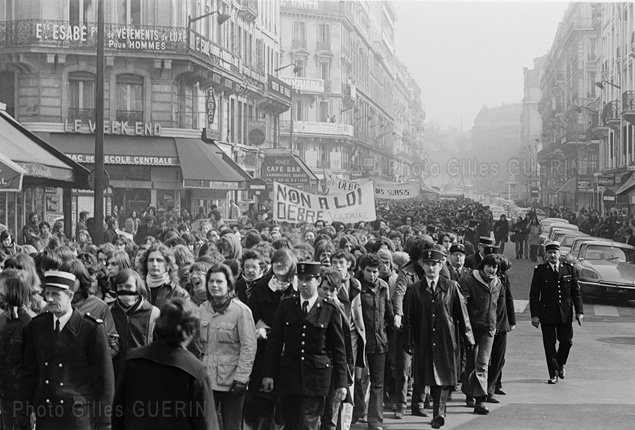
(626, 187)
(11, 175)
(130, 150)
(204, 168)
(41, 161)
(569, 186)
(286, 168)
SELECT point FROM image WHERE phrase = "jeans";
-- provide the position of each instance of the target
(230, 406)
(520, 247)
(497, 361)
(477, 363)
(533, 253)
(376, 363)
(403, 372)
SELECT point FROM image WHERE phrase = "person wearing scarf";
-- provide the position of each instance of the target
(228, 344)
(481, 290)
(251, 262)
(134, 316)
(266, 295)
(159, 268)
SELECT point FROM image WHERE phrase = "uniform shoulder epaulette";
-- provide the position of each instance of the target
(93, 319)
(329, 302)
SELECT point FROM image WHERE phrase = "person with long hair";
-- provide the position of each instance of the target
(533, 238)
(88, 303)
(266, 295)
(165, 373)
(134, 316)
(15, 301)
(25, 262)
(159, 270)
(8, 245)
(228, 343)
(481, 290)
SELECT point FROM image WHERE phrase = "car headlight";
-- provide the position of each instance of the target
(589, 274)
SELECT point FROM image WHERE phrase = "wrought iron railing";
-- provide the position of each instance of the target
(82, 114)
(610, 112)
(628, 101)
(131, 116)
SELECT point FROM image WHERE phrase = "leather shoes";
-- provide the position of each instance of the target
(553, 380)
(500, 392)
(470, 402)
(399, 414)
(419, 412)
(492, 399)
(481, 410)
(562, 373)
(438, 422)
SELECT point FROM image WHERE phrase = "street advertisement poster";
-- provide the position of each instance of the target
(337, 185)
(296, 206)
(397, 190)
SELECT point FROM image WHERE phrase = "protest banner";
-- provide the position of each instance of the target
(396, 190)
(337, 185)
(296, 206)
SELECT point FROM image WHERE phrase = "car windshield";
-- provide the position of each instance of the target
(567, 241)
(610, 253)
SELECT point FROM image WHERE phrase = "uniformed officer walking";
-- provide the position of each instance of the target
(68, 374)
(305, 332)
(553, 295)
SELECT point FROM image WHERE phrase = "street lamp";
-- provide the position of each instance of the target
(222, 17)
(296, 70)
(600, 85)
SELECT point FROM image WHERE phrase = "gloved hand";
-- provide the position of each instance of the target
(238, 388)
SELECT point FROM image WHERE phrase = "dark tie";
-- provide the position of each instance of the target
(57, 327)
(305, 308)
(432, 286)
(555, 269)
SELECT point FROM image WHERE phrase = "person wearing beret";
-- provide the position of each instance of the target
(553, 295)
(306, 353)
(433, 309)
(68, 374)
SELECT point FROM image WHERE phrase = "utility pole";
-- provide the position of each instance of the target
(98, 232)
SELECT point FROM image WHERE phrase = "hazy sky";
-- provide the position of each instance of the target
(466, 55)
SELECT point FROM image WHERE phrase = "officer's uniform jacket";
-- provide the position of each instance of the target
(463, 272)
(68, 377)
(297, 354)
(553, 296)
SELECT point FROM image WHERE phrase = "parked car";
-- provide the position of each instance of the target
(566, 239)
(607, 269)
(574, 250)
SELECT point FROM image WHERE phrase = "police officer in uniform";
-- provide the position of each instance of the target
(553, 295)
(305, 332)
(486, 245)
(68, 374)
(456, 263)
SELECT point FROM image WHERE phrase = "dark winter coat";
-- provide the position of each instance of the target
(430, 323)
(552, 296)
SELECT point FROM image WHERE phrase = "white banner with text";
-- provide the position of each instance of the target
(296, 206)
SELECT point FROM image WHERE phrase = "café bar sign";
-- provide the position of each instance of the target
(114, 127)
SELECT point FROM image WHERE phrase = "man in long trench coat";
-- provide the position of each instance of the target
(434, 316)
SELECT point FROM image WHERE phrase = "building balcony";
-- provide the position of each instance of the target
(129, 116)
(298, 43)
(323, 46)
(160, 42)
(318, 128)
(85, 115)
(611, 115)
(248, 10)
(628, 106)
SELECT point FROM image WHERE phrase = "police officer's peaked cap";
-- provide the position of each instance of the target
(309, 268)
(61, 280)
(486, 242)
(553, 245)
(432, 255)
(457, 247)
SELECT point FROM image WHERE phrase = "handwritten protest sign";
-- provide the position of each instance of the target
(337, 185)
(396, 190)
(296, 206)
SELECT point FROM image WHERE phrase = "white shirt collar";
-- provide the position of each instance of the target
(435, 280)
(63, 320)
(312, 301)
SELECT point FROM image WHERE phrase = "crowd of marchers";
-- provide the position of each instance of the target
(255, 324)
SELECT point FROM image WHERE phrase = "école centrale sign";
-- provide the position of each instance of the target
(114, 127)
